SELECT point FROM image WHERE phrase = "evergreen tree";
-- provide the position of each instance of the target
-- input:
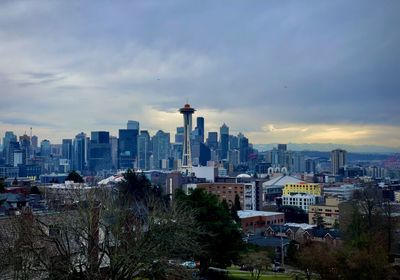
(236, 207)
(74, 176)
(220, 239)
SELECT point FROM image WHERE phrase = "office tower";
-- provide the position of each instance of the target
(144, 150)
(244, 149)
(132, 125)
(66, 150)
(34, 142)
(212, 140)
(200, 128)
(311, 165)
(234, 157)
(14, 153)
(79, 152)
(8, 138)
(224, 135)
(45, 148)
(25, 143)
(179, 135)
(34, 145)
(99, 151)
(127, 148)
(114, 152)
(338, 160)
(233, 142)
(282, 147)
(160, 148)
(187, 113)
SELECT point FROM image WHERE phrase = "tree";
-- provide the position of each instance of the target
(35, 190)
(220, 237)
(255, 262)
(319, 221)
(103, 237)
(2, 186)
(318, 258)
(74, 176)
(236, 207)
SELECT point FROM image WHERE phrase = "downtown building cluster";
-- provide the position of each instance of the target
(101, 154)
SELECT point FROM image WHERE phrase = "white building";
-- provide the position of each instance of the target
(302, 201)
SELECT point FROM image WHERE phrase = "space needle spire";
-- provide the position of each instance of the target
(187, 113)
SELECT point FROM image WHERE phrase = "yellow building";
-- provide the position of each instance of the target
(329, 212)
(302, 188)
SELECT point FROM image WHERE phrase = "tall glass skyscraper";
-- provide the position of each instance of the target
(127, 148)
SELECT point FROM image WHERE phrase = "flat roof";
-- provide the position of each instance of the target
(252, 213)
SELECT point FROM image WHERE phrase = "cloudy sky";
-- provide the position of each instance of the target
(279, 71)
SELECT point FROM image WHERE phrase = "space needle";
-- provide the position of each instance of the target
(187, 113)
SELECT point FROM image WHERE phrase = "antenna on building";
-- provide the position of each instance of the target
(31, 133)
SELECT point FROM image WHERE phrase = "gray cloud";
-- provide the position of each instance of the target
(77, 64)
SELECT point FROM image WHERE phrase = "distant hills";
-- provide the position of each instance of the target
(325, 147)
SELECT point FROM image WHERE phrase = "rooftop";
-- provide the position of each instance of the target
(282, 180)
(252, 213)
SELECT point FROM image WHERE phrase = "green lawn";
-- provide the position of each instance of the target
(242, 275)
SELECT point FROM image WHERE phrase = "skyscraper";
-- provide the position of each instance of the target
(8, 138)
(25, 143)
(66, 150)
(79, 152)
(200, 128)
(45, 148)
(244, 149)
(338, 159)
(132, 125)
(99, 151)
(114, 152)
(179, 135)
(187, 113)
(160, 143)
(144, 150)
(127, 148)
(212, 140)
(224, 134)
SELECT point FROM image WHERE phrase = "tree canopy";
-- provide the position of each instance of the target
(220, 237)
(74, 176)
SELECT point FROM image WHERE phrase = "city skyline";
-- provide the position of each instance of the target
(278, 72)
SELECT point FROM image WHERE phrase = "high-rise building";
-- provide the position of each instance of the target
(212, 140)
(144, 150)
(34, 145)
(127, 148)
(338, 160)
(45, 148)
(282, 147)
(80, 152)
(67, 149)
(99, 151)
(179, 135)
(187, 113)
(160, 148)
(244, 149)
(233, 142)
(224, 134)
(8, 138)
(132, 125)
(25, 143)
(200, 128)
(114, 152)
(34, 141)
